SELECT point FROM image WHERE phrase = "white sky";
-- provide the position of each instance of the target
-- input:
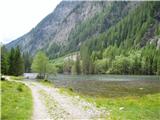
(18, 17)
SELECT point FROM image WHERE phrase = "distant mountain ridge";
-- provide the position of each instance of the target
(54, 32)
(71, 23)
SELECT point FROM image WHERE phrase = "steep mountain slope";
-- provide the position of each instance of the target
(71, 23)
(56, 26)
(99, 23)
(129, 47)
(134, 31)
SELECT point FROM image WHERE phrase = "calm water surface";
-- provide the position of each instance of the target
(109, 85)
(104, 77)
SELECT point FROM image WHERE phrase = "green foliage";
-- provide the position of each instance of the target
(67, 66)
(18, 63)
(77, 65)
(129, 108)
(39, 64)
(4, 60)
(121, 65)
(42, 66)
(50, 69)
(87, 62)
(157, 31)
(15, 62)
(27, 62)
(53, 50)
(65, 63)
(11, 62)
(110, 14)
(158, 65)
(16, 101)
(129, 31)
(76, 68)
(121, 61)
(122, 45)
(150, 60)
(101, 66)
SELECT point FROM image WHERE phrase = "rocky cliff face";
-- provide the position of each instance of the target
(55, 28)
(54, 32)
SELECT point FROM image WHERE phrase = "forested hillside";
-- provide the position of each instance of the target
(71, 23)
(101, 22)
(108, 37)
(129, 47)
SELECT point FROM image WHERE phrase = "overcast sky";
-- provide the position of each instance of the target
(18, 17)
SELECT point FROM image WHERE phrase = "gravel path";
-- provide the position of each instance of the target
(40, 111)
(50, 104)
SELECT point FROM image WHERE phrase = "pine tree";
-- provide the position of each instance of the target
(18, 62)
(4, 60)
(77, 65)
(85, 59)
(11, 61)
(158, 65)
(27, 62)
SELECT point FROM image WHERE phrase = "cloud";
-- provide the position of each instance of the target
(20, 16)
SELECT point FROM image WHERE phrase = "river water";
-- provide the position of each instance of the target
(107, 85)
(104, 77)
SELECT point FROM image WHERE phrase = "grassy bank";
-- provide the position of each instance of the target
(144, 107)
(16, 101)
(123, 101)
(131, 107)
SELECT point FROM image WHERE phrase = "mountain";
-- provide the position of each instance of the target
(131, 46)
(138, 28)
(113, 37)
(70, 24)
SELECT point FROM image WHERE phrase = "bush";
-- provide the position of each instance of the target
(101, 66)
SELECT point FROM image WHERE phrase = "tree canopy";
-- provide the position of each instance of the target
(42, 66)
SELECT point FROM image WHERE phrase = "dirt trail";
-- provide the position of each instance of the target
(40, 111)
(50, 104)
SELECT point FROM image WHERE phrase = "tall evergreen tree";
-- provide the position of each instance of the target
(4, 60)
(18, 62)
(76, 68)
(158, 66)
(77, 65)
(27, 62)
(11, 61)
(85, 59)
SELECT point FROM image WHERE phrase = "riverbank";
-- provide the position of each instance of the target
(49, 103)
(121, 103)
(55, 105)
(142, 104)
(110, 88)
(130, 107)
